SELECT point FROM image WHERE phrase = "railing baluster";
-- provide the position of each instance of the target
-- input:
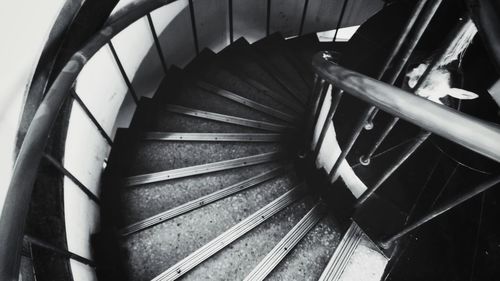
(123, 73)
(157, 42)
(231, 29)
(410, 46)
(316, 98)
(336, 96)
(436, 61)
(341, 18)
(268, 18)
(193, 26)
(442, 209)
(84, 107)
(65, 253)
(422, 136)
(352, 140)
(304, 14)
(68, 174)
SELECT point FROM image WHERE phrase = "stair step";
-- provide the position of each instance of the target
(244, 62)
(170, 121)
(154, 156)
(238, 259)
(151, 251)
(247, 102)
(342, 254)
(210, 70)
(311, 255)
(216, 137)
(229, 119)
(193, 96)
(273, 50)
(230, 235)
(150, 199)
(286, 245)
(202, 169)
(201, 201)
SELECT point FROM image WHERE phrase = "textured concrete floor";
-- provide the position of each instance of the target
(309, 258)
(153, 250)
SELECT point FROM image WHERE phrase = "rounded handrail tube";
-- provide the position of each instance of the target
(15, 209)
(473, 133)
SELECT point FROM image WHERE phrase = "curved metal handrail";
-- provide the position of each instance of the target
(15, 209)
(473, 133)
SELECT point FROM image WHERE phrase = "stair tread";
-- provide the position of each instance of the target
(240, 58)
(236, 261)
(155, 156)
(154, 250)
(308, 259)
(198, 98)
(275, 52)
(151, 199)
(216, 74)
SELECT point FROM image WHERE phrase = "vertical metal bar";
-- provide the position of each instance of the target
(436, 61)
(422, 136)
(420, 28)
(193, 25)
(231, 29)
(65, 253)
(304, 13)
(101, 130)
(157, 42)
(124, 74)
(336, 96)
(268, 18)
(339, 22)
(316, 97)
(68, 174)
(357, 131)
(365, 159)
(450, 204)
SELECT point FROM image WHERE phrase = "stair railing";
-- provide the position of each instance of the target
(17, 201)
(470, 132)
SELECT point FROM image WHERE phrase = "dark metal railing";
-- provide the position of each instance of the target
(15, 209)
(468, 131)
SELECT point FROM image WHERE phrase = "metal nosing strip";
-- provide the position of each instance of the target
(292, 238)
(203, 169)
(229, 119)
(247, 102)
(342, 254)
(240, 137)
(230, 235)
(202, 201)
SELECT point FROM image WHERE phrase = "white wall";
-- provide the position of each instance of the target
(24, 27)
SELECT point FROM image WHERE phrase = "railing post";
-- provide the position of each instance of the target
(341, 17)
(268, 18)
(436, 61)
(419, 31)
(157, 42)
(123, 73)
(336, 96)
(231, 28)
(422, 136)
(352, 140)
(193, 26)
(303, 19)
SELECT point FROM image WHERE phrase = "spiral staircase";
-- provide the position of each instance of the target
(206, 184)
(264, 161)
